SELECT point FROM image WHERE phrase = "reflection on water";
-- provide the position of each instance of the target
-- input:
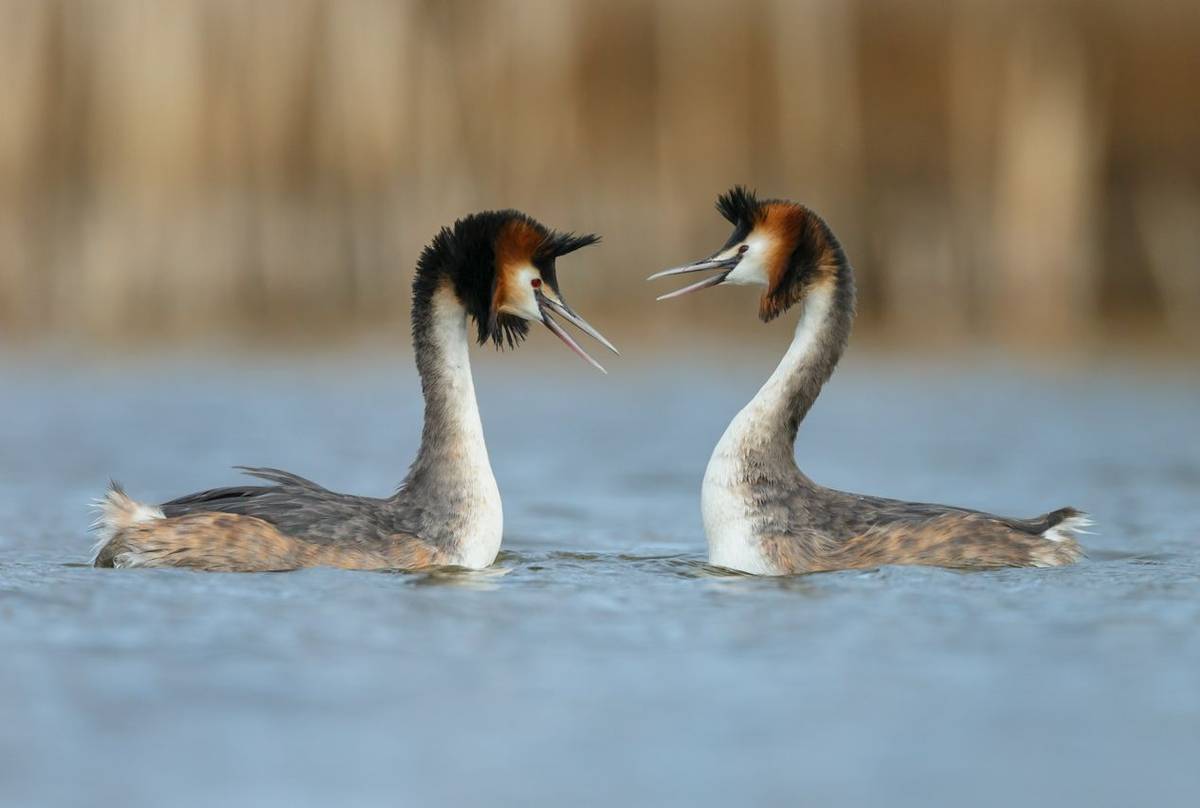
(601, 660)
(482, 580)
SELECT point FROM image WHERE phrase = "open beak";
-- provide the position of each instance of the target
(723, 266)
(548, 306)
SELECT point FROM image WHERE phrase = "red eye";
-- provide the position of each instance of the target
(536, 283)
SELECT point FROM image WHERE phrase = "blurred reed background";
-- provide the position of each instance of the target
(1016, 173)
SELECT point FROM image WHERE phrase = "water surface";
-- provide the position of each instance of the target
(600, 661)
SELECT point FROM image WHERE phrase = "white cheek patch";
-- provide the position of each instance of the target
(752, 269)
(521, 299)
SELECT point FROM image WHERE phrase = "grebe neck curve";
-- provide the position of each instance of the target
(452, 470)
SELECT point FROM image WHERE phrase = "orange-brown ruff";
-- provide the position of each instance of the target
(515, 248)
(495, 268)
(761, 513)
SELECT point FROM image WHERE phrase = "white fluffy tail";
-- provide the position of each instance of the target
(115, 512)
(1069, 528)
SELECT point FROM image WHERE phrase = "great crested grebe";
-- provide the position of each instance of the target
(761, 514)
(496, 268)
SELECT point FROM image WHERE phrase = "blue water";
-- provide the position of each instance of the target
(601, 662)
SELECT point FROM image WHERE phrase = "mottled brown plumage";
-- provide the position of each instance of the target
(223, 542)
(958, 540)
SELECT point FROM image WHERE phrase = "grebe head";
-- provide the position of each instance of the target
(779, 245)
(502, 266)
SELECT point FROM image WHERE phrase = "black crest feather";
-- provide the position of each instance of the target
(556, 244)
(739, 205)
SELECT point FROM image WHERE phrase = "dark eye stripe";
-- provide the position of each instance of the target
(740, 233)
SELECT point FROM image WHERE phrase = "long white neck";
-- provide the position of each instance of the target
(767, 425)
(753, 468)
(452, 473)
(453, 431)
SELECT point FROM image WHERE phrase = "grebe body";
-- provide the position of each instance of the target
(762, 515)
(496, 269)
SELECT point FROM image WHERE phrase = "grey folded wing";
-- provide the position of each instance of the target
(297, 507)
(840, 513)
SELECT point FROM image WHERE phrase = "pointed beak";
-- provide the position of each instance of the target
(723, 267)
(548, 306)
